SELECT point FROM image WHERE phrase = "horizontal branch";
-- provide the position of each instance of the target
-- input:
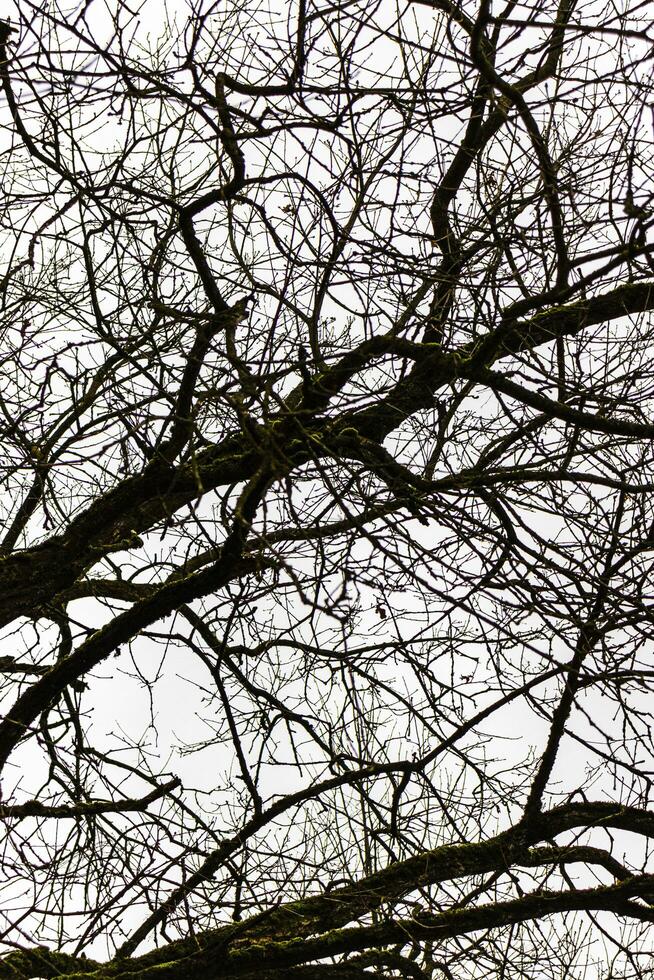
(559, 410)
(34, 808)
(339, 907)
(209, 957)
(431, 928)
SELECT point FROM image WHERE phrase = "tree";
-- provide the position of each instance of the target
(327, 490)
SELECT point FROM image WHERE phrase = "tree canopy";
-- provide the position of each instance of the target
(326, 409)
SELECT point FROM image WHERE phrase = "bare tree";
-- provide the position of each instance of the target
(325, 576)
